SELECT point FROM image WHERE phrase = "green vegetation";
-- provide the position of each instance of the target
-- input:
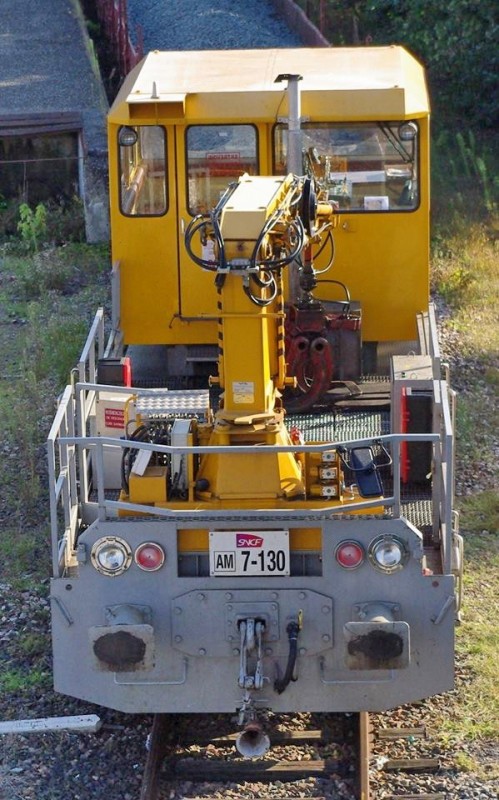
(474, 716)
(456, 40)
(32, 226)
(465, 276)
(15, 681)
(48, 296)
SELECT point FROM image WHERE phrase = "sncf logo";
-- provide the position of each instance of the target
(248, 540)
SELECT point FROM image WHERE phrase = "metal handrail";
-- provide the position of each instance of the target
(70, 446)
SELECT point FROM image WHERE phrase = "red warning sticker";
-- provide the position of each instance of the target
(114, 418)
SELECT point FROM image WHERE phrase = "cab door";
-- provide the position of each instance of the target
(144, 229)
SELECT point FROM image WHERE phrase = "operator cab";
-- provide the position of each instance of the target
(183, 128)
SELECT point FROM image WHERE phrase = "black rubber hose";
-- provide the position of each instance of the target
(292, 630)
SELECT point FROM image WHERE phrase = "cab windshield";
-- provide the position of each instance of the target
(217, 155)
(362, 166)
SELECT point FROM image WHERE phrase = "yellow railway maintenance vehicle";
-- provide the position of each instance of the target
(252, 479)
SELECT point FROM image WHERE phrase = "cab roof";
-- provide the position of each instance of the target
(346, 83)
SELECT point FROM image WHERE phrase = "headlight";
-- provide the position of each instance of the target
(127, 136)
(387, 553)
(111, 556)
(408, 131)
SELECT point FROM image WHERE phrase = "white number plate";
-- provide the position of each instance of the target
(249, 553)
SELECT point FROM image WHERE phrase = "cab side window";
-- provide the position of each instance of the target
(216, 156)
(142, 154)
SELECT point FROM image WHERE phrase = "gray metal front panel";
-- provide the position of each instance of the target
(195, 662)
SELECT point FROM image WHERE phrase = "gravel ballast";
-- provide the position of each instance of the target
(206, 25)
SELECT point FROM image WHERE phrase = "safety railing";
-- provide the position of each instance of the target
(63, 487)
(94, 501)
(76, 465)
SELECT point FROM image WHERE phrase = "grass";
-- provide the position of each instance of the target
(16, 680)
(478, 638)
(466, 276)
(47, 299)
(471, 724)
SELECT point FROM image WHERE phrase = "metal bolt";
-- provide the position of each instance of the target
(228, 596)
(268, 651)
(326, 609)
(302, 595)
(229, 608)
(325, 637)
(178, 610)
(302, 651)
(274, 596)
(201, 596)
(178, 638)
(202, 651)
(230, 638)
(235, 651)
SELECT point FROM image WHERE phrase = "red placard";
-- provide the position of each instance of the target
(114, 418)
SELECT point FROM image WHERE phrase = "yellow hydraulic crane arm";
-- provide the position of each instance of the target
(260, 226)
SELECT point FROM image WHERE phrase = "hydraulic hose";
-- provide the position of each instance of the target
(292, 629)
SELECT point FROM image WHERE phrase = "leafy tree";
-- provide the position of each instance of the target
(457, 40)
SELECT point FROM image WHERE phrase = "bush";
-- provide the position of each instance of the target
(52, 223)
(32, 226)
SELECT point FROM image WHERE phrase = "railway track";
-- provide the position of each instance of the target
(332, 761)
(334, 756)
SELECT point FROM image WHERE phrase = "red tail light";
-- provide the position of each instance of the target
(349, 554)
(149, 556)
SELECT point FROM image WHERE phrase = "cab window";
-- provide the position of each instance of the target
(142, 154)
(216, 156)
(363, 166)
